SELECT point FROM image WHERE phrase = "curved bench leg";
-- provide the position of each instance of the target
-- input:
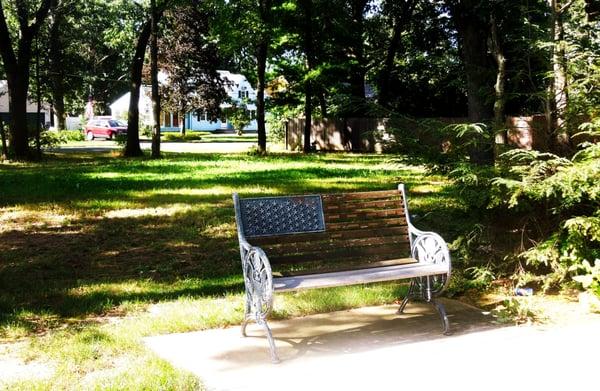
(442, 311)
(274, 357)
(407, 297)
(247, 316)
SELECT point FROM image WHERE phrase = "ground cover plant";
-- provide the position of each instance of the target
(97, 252)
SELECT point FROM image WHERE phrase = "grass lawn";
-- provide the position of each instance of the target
(97, 252)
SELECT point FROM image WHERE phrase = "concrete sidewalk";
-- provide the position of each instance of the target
(375, 349)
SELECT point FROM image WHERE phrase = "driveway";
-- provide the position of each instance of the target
(375, 349)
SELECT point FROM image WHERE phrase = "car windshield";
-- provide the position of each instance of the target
(115, 123)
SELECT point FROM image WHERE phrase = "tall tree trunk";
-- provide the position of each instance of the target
(323, 103)
(16, 67)
(19, 127)
(558, 99)
(261, 60)
(56, 77)
(132, 147)
(308, 88)
(182, 115)
(357, 52)
(260, 97)
(4, 151)
(154, 77)
(472, 31)
(499, 87)
(401, 20)
(38, 97)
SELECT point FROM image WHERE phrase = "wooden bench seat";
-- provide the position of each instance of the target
(317, 241)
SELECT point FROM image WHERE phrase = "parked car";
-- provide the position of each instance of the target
(105, 128)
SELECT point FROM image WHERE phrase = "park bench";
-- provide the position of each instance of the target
(301, 242)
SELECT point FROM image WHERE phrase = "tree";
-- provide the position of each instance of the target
(472, 21)
(308, 44)
(132, 146)
(248, 45)
(400, 13)
(154, 16)
(16, 55)
(189, 59)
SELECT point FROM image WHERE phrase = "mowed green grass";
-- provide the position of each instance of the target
(97, 252)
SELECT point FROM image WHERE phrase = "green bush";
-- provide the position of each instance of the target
(564, 192)
(52, 139)
(188, 136)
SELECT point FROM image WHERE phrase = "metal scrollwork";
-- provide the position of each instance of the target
(259, 283)
(282, 215)
(429, 247)
(259, 291)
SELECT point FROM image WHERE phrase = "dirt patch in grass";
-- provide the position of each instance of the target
(14, 368)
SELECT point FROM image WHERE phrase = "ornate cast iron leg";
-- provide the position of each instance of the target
(427, 295)
(442, 311)
(274, 357)
(247, 315)
(407, 297)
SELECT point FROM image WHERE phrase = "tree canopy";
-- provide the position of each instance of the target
(344, 58)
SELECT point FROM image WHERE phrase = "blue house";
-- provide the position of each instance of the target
(237, 87)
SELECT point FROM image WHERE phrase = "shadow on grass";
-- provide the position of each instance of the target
(93, 264)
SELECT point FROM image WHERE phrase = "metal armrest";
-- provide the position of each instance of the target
(429, 247)
(257, 279)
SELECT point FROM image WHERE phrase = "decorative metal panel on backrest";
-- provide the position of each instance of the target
(282, 215)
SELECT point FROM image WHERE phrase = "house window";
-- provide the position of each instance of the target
(243, 94)
(202, 115)
(175, 120)
(166, 120)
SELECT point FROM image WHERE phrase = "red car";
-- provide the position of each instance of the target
(105, 128)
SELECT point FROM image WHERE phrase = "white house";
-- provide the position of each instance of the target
(237, 87)
(45, 113)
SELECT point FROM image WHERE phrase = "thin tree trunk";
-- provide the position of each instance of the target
(154, 77)
(260, 96)
(56, 78)
(308, 88)
(182, 129)
(358, 69)
(560, 139)
(4, 152)
(385, 77)
(473, 31)
(499, 87)
(38, 93)
(132, 147)
(323, 103)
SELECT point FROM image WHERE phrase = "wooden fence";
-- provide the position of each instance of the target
(350, 134)
(360, 134)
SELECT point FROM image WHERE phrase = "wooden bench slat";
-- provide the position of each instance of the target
(353, 277)
(378, 204)
(328, 236)
(336, 217)
(361, 195)
(379, 223)
(346, 267)
(383, 251)
(312, 247)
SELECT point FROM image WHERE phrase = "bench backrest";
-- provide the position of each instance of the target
(331, 228)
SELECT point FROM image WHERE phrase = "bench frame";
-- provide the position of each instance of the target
(429, 276)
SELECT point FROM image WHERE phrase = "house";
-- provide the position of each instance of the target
(45, 113)
(237, 87)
